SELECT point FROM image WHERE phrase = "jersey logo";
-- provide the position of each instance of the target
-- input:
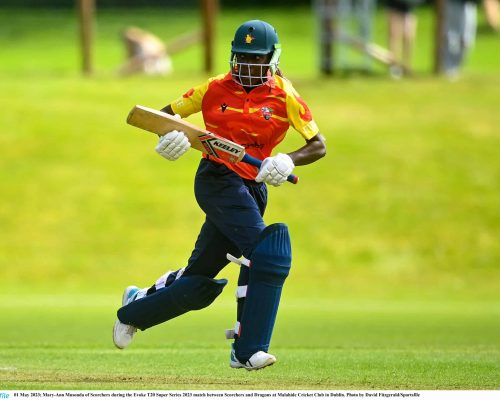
(249, 39)
(267, 113)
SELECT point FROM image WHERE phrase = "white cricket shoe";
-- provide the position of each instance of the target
(259, 360)
(123, 333)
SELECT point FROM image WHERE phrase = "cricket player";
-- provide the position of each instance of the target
(253, 105)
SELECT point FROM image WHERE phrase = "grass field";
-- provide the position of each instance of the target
(395, 278)
(320, 344)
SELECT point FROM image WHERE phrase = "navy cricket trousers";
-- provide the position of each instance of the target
(234, 208)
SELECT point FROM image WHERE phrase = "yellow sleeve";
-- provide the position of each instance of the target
(299, 115)
(190, 102)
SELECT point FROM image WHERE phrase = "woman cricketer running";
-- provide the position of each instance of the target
(253, 105)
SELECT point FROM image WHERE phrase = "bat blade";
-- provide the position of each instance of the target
(202, 140)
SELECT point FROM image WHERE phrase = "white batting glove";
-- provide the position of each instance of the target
(275, 170)
(173, 145)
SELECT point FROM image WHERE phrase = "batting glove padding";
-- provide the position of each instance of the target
(173, 145)
(275, 170)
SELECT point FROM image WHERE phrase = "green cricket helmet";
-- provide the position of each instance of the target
(254, 37)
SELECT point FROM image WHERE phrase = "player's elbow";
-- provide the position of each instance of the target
(322, 150)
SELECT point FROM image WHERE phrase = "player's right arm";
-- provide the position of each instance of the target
(174, 144)
(168, 109)
(191, 101)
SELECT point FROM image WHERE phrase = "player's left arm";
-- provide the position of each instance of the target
(313, 150)
(301, 120)
(275, 170)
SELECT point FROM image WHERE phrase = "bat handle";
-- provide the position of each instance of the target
(257, 163)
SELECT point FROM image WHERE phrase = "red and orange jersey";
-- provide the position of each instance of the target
(257, 120)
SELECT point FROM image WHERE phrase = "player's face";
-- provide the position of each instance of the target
(251, 69)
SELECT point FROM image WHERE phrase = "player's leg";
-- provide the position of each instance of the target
(239, 211)
(177, 292)
(259, 194)
(209, 254)
(238, 214)
(207, 258)
(233, 205)
(260, 285)
(270, 265)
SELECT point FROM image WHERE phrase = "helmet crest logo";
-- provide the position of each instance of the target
(249, 39)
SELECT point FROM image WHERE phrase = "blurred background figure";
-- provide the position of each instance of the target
(492, 12)
(460, 33)
(146, 53)
(402, 24)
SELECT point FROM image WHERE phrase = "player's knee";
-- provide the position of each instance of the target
(272, 257)
(196, 292)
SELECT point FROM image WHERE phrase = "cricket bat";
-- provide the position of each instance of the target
(207, 142)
